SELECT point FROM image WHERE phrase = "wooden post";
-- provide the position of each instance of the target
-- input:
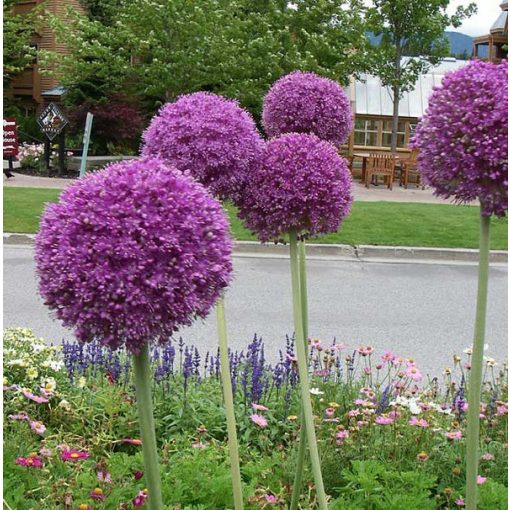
(61, 151)
(47, 153)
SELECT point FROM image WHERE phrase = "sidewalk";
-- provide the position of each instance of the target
(373, 194)
(355, 253)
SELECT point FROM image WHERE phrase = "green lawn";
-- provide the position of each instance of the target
(379, 223)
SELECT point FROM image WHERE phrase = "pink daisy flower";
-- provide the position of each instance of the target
(20, 416)
(128, 440)
(140, 499)
(35, 398)
(413, 373)
(73, 455)
(456, 434)
(271, 499)
(32, 461)
(259, 407)
(384, 420)
(460, 502)
(415, 422)
(104, 476)
(259, 420)
(388, 356)
(340, 436)
(97, 494)
(481, 479)
(38, 427)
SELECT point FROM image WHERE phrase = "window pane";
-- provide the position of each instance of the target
(359, 124)
(387, 125)
(401, 127)
(401, 140)
(372, 125)
(372, 138)
(386, 139)
(359, 138)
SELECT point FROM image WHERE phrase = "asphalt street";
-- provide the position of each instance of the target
(424, 311)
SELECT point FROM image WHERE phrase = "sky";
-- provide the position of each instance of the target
(479, 23)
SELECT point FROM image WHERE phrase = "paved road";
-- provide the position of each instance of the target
(419, 310)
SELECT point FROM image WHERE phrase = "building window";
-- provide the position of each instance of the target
(386, 134)
(366, 132)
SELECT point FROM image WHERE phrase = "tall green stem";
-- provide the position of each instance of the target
(303, 291)
(475, 379)
(229, 407)
(148, 434)
(303, 373)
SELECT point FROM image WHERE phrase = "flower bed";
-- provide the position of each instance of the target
(389, 438)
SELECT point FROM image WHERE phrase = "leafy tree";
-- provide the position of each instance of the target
(159, 49)
(409, 27)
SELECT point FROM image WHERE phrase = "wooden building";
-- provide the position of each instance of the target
(493, 46)
(30, 88)
(373, 108)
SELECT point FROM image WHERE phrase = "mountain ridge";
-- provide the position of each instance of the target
(460, 44)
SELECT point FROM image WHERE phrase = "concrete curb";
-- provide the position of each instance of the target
(362, 252)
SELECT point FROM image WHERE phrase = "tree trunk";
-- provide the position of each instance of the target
(396, 93)
(394, 123)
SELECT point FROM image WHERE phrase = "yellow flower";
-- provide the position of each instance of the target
(6, 381)
(82, 382)
(292, 417)
(32, 373)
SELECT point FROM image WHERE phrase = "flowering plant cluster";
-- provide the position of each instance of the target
(379, 409)
(131, 253)
(302, 183)
(31, 155)
(302, 102)
(29, 361)
(209, 137)
(463, 137)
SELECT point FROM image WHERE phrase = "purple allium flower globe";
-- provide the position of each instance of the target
(208, 136)
(302, 183)
(131, 253)
(463, 137)
(302, 102)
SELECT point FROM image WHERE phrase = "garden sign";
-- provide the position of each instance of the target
(52, 121)
(10, 137)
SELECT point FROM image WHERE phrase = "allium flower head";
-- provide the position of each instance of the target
(463, 139)
(302, 183)
(208, 136)
(131, 253)
(302, 102)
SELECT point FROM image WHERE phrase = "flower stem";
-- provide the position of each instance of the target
(303, 294)
(229, 406)
(142, 373)
(303, 373)
(475, 380)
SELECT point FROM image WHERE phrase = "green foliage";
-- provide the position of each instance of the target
(405, 224)
(161, 49)
(374, 486)
(492, 495)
